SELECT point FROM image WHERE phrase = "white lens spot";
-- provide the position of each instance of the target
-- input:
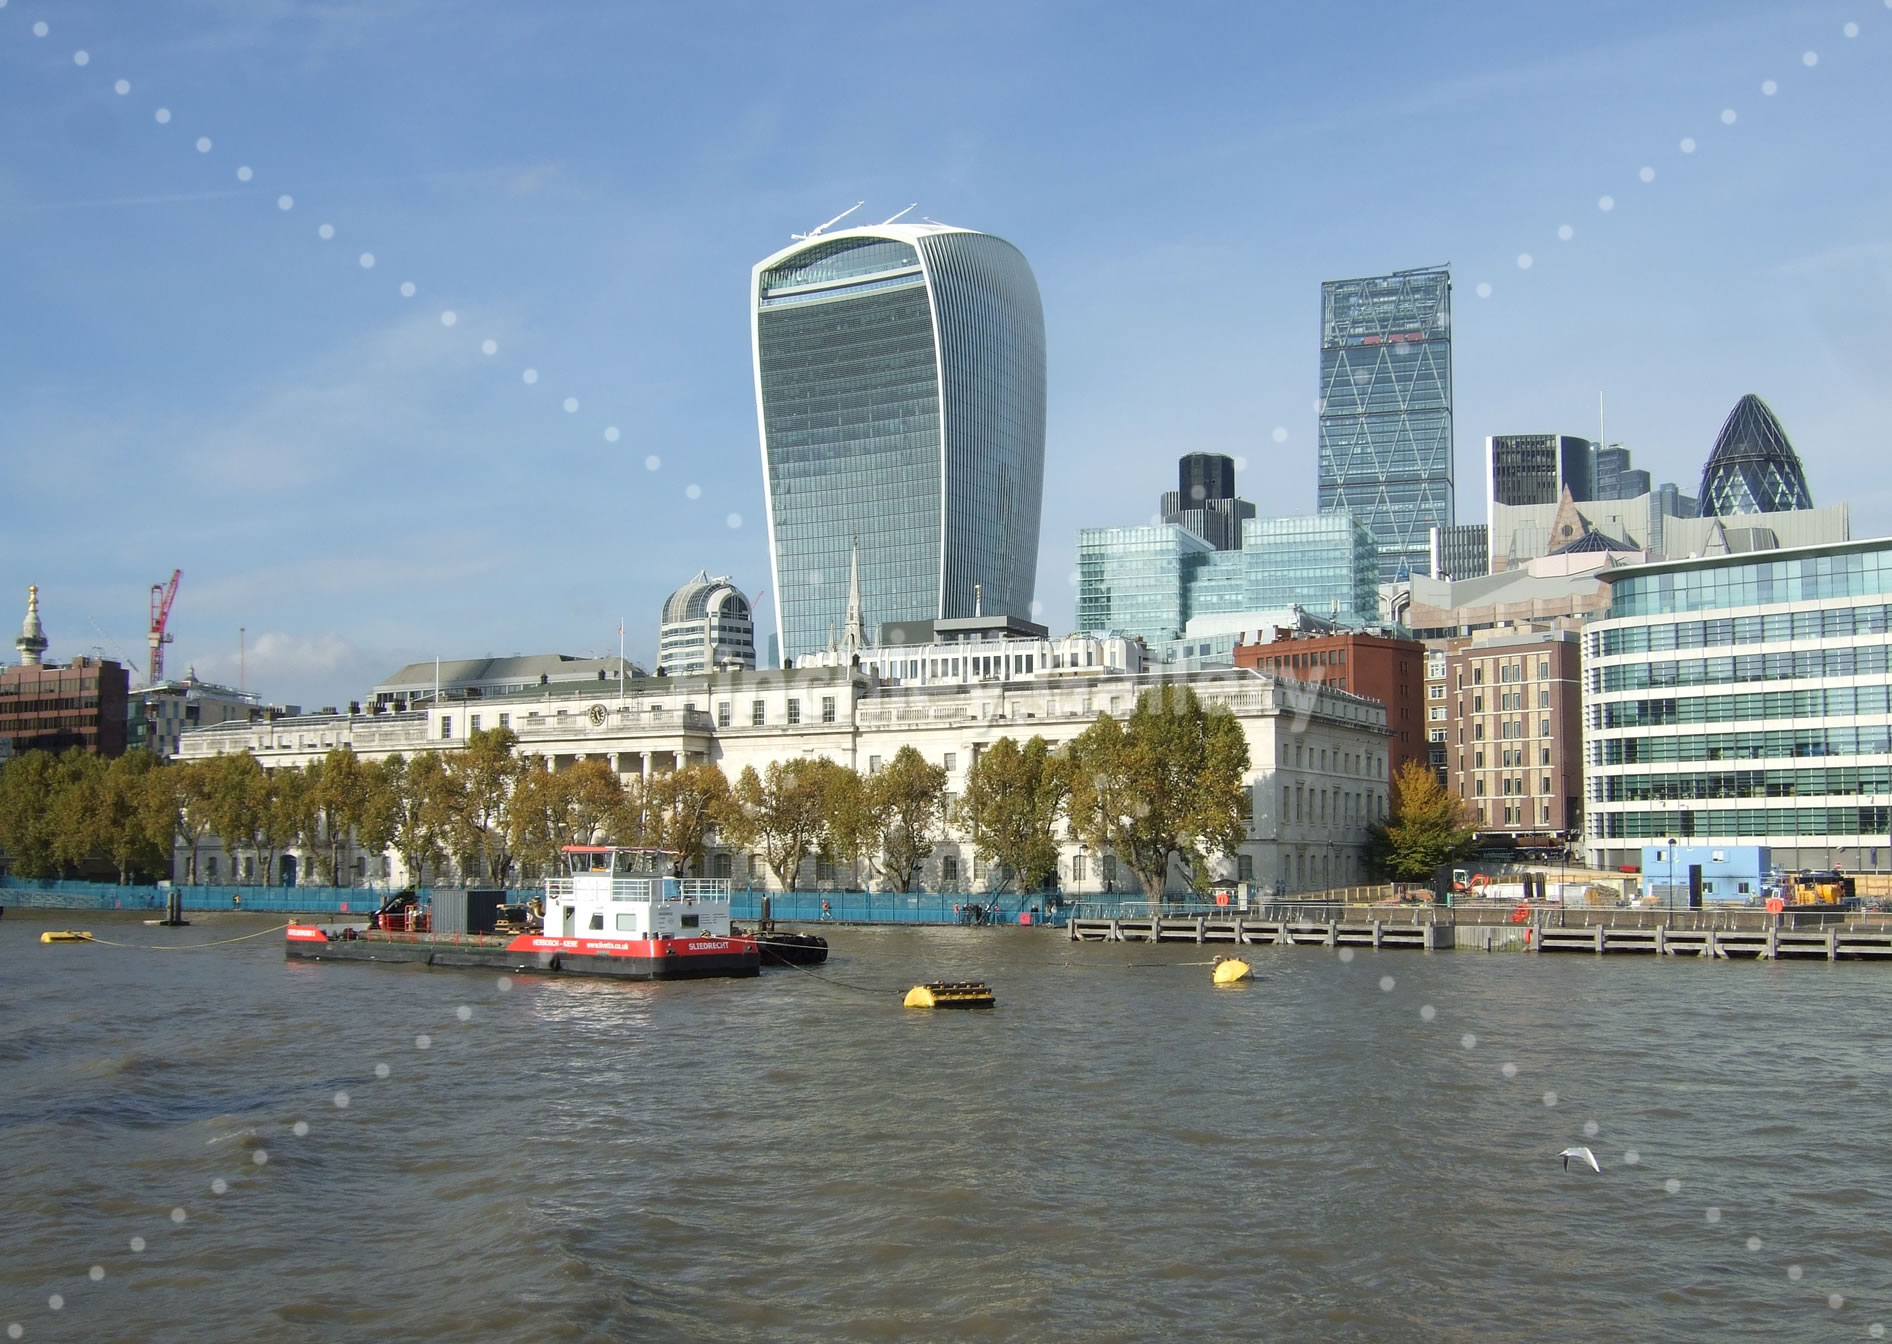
(1754, 1243)
(1037, 610)
(464, 1012)
(1606, 203)
(203, 144)
(1241, 463)
(1484, 290)
(1589, 1129)
(1565, 233)
(1711, 1215)
(693, 491)
(449, 318)
(1524, 261)
(1809, 59)
(1508, 1069)
(1346, 953)
(1875, 1330)
(1688, 144)
(325, 232)
(341, 1101)
(1386, 984)
(1073, 578)
(382, 1070)
(1550, 1098)
(505, 984)
(407, 289)
(219, 1186)
(1647, 174)
(163, 115)
(1673, 1186)
(1280, 433)
(530, 376)
(300, 1129)
(1852, 29)
(122, 87)
(260, 1157)
(1468, 1040)
(15, 1330)
(96, 1273)
(1769, 88)
(652, 462)
(1794, 1272)
(285, 202)
(610, 433)
(367, 261)
(423, 1041)
(55, 1302)
(1632, 1158)
(570, 404)
(40, 29)
(1428, 1012)
(489, 347)
(178, 1215)
(1727, 116)
(734, 520)
(81, 58)
(1835, 1301)
(137, 1244)
(244, 174)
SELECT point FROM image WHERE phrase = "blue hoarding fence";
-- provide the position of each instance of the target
(28, 893)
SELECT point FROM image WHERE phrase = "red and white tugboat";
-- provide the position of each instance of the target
(614, 911)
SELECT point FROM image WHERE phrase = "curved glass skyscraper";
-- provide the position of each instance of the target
(1752, 469)
(900, 390)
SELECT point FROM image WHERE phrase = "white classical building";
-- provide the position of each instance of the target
(1317, 774)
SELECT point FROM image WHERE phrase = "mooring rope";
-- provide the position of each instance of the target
(185, 947)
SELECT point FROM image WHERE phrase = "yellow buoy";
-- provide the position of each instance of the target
(951, 994)
(65, 936)
(1232, 970)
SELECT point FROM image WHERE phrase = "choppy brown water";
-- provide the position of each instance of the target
(1117, 1152)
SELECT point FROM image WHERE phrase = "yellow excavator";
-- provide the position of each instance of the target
(1831, 890)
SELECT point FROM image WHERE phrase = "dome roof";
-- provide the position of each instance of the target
(694, 600)
(1753, 469)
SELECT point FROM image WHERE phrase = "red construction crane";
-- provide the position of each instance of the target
(161, 599)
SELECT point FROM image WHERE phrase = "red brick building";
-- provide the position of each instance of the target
(1378, 667)
(45, 708)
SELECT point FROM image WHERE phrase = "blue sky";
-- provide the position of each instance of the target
(191, 376)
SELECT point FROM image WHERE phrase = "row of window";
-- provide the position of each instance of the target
(1777, 628)
(1817, 703)
(1867, 661)
(1821, 823)
(1509, 785)
(1747, 583)
(1841, 781)
(1778, 743)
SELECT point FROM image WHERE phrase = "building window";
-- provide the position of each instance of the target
(473, 724)
(1543, 669)
(505, 720)
(1110, 870)
(824, 868)
(873, 765)
(949, 869)
(951, 760)
(1244, 868)
(1544, 756)
(210, 868)
(446, 725)
(1543, 728)
(758, 713)
(755, 866)
(827, 709)
(722, 866)
(722, 713)
(1435, 692)
(794, 712)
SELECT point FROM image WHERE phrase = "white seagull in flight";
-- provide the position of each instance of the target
(1582, 1155)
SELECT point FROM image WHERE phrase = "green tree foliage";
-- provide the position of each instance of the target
(237, 801)
(27, 784)
(339, 787)
(781, 811)
(853, 820)
(1010, 809)
(410, 807)
(1427, 825)
(551, 809)
(683, 808)
(479, 781)
(1165, 786)
(910, 795)
(137, 834)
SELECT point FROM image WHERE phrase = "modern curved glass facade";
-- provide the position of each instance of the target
(1753, 469)
(900, 392)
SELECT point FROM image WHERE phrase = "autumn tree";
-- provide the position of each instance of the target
(237, 803)
(27, 783)
(910, 795)
(779, 810)
(1009, 811)
(339, 786)
(1426, 826)
(136, 828)
(413, 810)
(1167, 785)
(683, 807)
(479, 781)
(853, 818)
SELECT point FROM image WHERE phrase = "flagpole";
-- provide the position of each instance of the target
(620, 662)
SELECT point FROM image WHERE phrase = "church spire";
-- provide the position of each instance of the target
(32, 640)
(854, 635)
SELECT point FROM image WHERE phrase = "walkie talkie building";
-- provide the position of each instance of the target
(900, 390)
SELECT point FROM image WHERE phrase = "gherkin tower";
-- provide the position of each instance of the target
(1753, 469)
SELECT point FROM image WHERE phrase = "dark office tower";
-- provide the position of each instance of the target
(1205, 502)
(1753, 469)
(1386, 410)
(900, 389)
(1607, 466)
(1536, 468)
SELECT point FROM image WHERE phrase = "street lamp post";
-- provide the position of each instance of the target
(1671, 893)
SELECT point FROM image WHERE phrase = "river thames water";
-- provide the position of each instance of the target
(1118, 1151)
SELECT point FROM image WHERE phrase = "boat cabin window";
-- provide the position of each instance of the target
(588, 861)
(689, 921)
(597, 919)
(627, 923)
(638, 863)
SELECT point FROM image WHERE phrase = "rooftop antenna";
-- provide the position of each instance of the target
(820, 228)
(891, 218)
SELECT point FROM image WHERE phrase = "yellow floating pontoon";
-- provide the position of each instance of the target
(65, 936)
(951, 994)
(1232, 970)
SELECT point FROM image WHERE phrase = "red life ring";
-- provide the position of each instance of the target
(1519, 915)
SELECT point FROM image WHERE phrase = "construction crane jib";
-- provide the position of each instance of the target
(162, 596)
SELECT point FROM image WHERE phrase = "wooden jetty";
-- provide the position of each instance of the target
(1546, 930)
